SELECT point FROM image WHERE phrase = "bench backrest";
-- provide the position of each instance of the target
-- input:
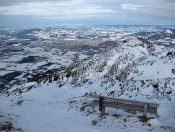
(127, 104)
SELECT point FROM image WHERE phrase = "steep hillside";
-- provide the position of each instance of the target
(134, 68)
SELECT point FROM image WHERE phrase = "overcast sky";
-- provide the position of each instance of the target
(87, 12)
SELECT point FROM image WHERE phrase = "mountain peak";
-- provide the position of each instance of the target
(169, 31)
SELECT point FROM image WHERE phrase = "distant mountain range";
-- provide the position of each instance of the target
(167, 33)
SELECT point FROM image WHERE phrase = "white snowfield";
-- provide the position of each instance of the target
(169, 32)
(11, 63)
(53, 109)
(48, 108)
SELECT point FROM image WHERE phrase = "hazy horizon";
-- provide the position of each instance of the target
(86, 12)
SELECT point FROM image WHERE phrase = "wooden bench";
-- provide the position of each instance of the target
(104, 102)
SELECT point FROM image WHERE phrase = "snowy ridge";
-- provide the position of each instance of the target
(134, 66)
(125, 67)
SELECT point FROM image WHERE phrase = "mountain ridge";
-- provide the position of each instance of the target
(133, 66)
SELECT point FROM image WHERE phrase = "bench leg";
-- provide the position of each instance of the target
(145, 110)
(101, 107)
(103, 110)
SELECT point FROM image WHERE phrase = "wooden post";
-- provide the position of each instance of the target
(101, 107)
(103, 110)
(145, 110)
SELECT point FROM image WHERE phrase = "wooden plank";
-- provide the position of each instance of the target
(126, 106)
(126, 101)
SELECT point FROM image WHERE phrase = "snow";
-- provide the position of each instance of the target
(18, 44)
(42, 35)
(10, 39)
(155, 122)
(4, 72)
(158, 69)
(169, 32)
(133, 41)
(49, 108)
(112, 59)
(54, 56)
(46, 109)
(82, 56)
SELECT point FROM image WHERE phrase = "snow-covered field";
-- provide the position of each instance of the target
(54, 56)
(52, 109)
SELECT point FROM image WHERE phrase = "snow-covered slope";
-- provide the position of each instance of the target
(55, 100)
(131, 68)
(169, 31)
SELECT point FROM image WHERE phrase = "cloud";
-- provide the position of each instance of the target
(130, 7)
(15, 2)
(99, 11)
(61, 9)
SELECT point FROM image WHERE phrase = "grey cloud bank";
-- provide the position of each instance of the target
(55, 12)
